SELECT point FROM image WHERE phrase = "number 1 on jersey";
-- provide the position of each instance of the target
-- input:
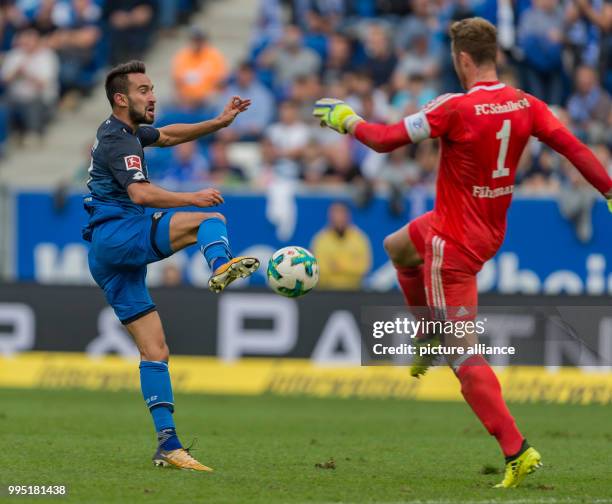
(503, 135)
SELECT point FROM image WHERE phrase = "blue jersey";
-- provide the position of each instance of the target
(117, 160)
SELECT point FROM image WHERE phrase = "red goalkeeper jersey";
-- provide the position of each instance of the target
(483, 133)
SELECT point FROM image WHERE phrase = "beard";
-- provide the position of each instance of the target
(138, 117)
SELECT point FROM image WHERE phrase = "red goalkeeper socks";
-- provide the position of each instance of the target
(412, 284)
(482, 391)
(413, 287)
(479, 385)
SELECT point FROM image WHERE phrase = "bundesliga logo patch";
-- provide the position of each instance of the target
(133, 162)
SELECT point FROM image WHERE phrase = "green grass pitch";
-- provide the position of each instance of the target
(266, 450)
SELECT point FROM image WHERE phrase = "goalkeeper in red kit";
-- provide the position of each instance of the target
(482, 133)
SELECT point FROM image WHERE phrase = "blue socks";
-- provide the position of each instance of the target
(167, 439)
(157, 393)
(219, 261)
(213, 242)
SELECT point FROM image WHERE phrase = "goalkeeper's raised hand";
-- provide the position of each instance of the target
(335, 114)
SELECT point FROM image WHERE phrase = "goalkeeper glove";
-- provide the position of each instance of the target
(335, 114)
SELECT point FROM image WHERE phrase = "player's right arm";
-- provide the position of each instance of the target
(150, 195)
(127, 167)
(549, 130)
(431, 122)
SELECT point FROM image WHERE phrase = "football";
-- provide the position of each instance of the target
(292, 271)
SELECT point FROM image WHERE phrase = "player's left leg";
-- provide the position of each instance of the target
(173, 231)
(453, 296)
(406, 249)
(118, 258)
(148, 334)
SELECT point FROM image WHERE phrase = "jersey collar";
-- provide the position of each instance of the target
(487, 86)
(120, 123)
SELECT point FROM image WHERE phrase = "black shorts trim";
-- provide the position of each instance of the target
(134, 318)
(155, 218)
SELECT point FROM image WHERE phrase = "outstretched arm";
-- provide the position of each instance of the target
(381, 137)
(548, 129)
(174, 134)
(337, 115)
(564, 142)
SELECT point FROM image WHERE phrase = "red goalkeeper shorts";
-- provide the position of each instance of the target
(449, 273)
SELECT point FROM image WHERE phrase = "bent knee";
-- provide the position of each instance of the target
(402, 252)
(159, 352)
(388, 245)
(204, 216)
(394, 250)
(217, 215)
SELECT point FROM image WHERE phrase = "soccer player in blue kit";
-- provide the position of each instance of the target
(124, 239)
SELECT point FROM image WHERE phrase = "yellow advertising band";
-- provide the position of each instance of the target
(253, 376)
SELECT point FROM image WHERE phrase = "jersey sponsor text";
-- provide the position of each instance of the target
(501, 108)
(487, 192)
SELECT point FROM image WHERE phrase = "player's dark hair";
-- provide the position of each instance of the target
(477, 37)
(117, 79)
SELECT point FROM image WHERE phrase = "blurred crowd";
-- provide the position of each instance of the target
(387, 58)
(52, 53)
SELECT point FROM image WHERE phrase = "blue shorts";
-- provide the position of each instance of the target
(118, 257)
